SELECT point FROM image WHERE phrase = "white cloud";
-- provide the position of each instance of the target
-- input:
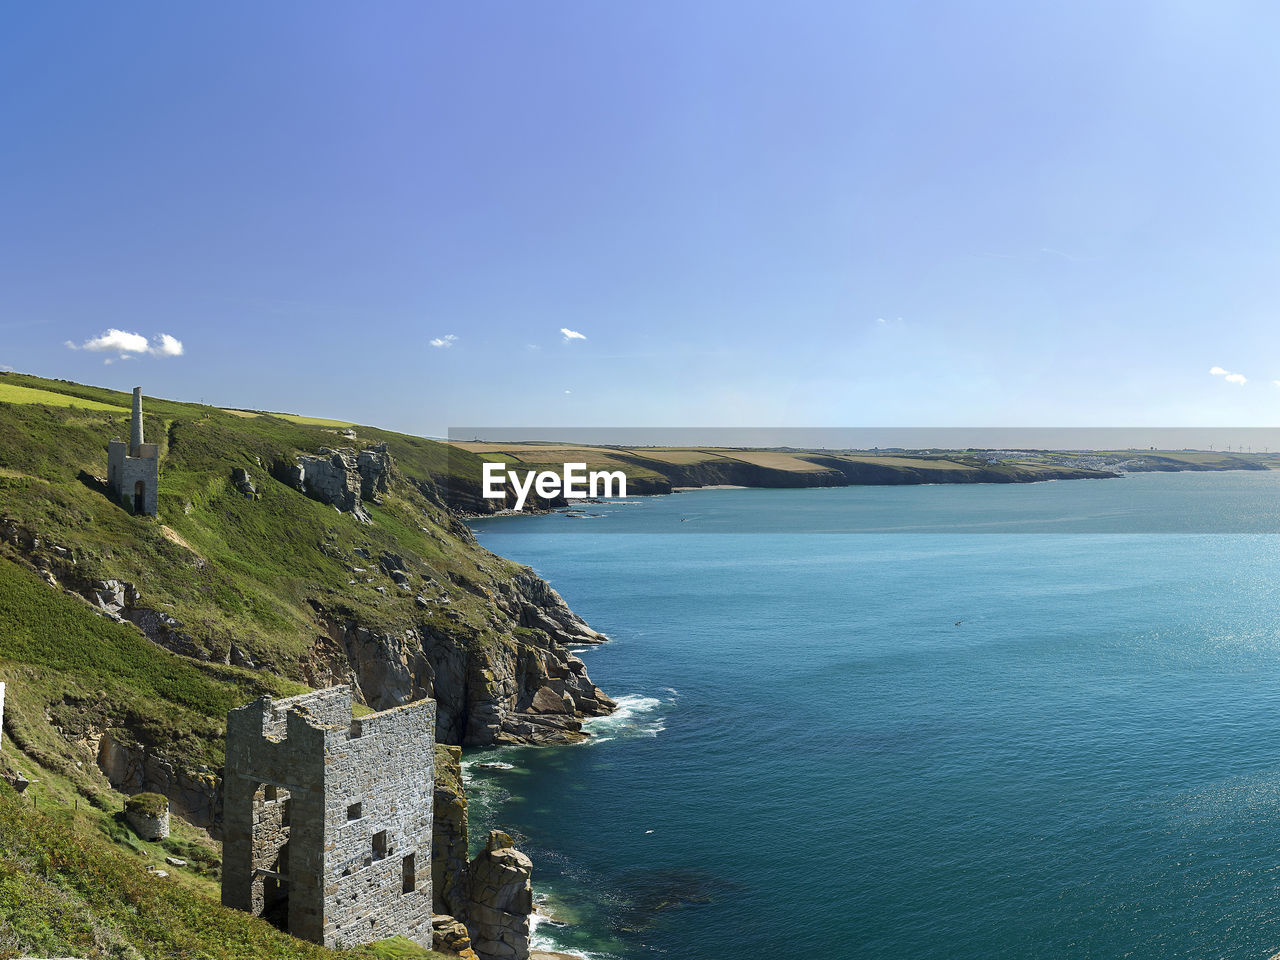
(1276, 382)
(567, 392)
(127, 345)
(572, 334)
(1217, 372)
(5, 368)
(167, 347)
(445, 342)
(1236, 378)
(117, 341)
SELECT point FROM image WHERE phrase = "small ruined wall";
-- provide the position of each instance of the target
(193, 795)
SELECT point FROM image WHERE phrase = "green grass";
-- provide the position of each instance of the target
(63, 660)
(292, 418)
(147, 804)
(14, 393)
(256, 568)
(64, 890)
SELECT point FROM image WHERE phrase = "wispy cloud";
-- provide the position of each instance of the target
(1228, 375)
(5, 368)
(127, 345)
(572, 334)
(445, 342)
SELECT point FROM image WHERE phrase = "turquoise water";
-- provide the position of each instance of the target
(814, 758)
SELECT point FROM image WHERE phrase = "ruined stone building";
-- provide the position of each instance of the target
(327, 818)
(133, 472)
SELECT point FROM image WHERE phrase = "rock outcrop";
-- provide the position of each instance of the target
(493, 894)
(449, 830)
(499, 900)
(241, 480)
(529, 689)
(342, 478)
(533, 602)
(194, 795)
(450, 936)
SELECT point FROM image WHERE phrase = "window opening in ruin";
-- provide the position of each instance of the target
(410, 876)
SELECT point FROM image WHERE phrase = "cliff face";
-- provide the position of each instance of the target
(529, 691)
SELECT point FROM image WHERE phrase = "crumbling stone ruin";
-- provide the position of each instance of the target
(148, 814)
(327, 819)
(133, 472)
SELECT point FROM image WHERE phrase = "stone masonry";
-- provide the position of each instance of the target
(133, 471)
(327, 819)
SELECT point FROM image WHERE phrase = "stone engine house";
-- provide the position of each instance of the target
(133, 472)
(327, 819)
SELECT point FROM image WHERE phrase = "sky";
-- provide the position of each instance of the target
(419, 215)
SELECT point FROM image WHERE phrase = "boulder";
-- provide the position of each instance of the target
(450, 936)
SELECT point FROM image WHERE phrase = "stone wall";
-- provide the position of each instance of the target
(350, 832)
(151, 823)
(125, 472)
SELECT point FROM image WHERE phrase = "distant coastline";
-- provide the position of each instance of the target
(663, 470)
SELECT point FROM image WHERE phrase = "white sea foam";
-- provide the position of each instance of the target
(542, 941)
(481, 764)
(636, 716)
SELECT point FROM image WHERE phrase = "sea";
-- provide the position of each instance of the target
(942, 721)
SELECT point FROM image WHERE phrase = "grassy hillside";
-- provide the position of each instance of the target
(72, 874)
(66, 891)
(231, 569)
(269, 575)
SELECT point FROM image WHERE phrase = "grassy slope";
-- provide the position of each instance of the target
(71, 874)
(65, 890)
(254, 567)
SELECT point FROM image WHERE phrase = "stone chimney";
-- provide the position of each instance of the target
(135, 432)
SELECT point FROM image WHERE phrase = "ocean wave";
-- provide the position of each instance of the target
(636, 716)
(540, 941)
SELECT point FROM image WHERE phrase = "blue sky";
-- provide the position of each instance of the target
(754, 213)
